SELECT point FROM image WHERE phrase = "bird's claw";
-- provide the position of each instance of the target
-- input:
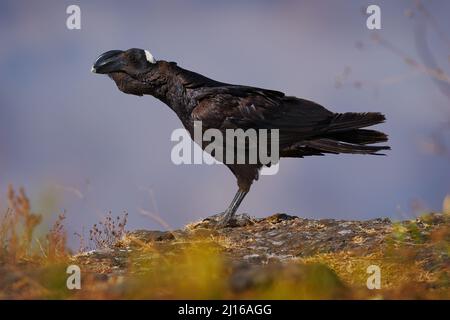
(225, 221)
(220, 221)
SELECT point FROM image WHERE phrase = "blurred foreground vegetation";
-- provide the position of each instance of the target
(413, 259)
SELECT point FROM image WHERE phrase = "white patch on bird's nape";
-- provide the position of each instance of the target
(149, 57)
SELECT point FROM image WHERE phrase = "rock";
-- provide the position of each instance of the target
(240, 220)
(261, 250)
(344, 232)
(279, 217)
(246, 277)
(279, 257)
(151, 236)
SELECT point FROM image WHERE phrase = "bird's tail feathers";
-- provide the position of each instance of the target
(334, 146)
(358, 136)
(354, 120)
(344, 134)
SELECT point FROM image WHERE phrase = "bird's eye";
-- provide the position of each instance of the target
(133, 59)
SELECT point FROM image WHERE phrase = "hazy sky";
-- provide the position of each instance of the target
(71, 136)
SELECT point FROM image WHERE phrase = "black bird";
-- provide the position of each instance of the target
(305, 127)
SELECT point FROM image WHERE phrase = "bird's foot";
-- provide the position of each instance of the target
(218, 221)
(214, 218)
(226, 220)
(221, 221)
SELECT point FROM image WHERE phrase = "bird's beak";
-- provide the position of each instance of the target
(108, 62)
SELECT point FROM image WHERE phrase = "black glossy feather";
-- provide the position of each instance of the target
(305, 127)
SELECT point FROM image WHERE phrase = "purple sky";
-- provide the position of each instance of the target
(76, 143)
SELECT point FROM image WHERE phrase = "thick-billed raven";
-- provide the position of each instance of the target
(305, 128)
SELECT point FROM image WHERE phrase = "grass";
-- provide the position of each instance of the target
(414, 261)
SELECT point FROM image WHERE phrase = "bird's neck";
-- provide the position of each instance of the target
(165, 82)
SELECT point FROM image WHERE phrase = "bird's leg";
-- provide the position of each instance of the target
(228, 215)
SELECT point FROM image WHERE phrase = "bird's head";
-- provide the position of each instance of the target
(128, 69)
(133, 62)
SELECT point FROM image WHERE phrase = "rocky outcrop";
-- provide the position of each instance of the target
(256, 252)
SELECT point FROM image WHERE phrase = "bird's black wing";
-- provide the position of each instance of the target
(305, 127)
(248, 107)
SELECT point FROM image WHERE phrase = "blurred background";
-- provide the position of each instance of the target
(78, 144)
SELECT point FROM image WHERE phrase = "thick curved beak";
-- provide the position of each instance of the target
(108, 62)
